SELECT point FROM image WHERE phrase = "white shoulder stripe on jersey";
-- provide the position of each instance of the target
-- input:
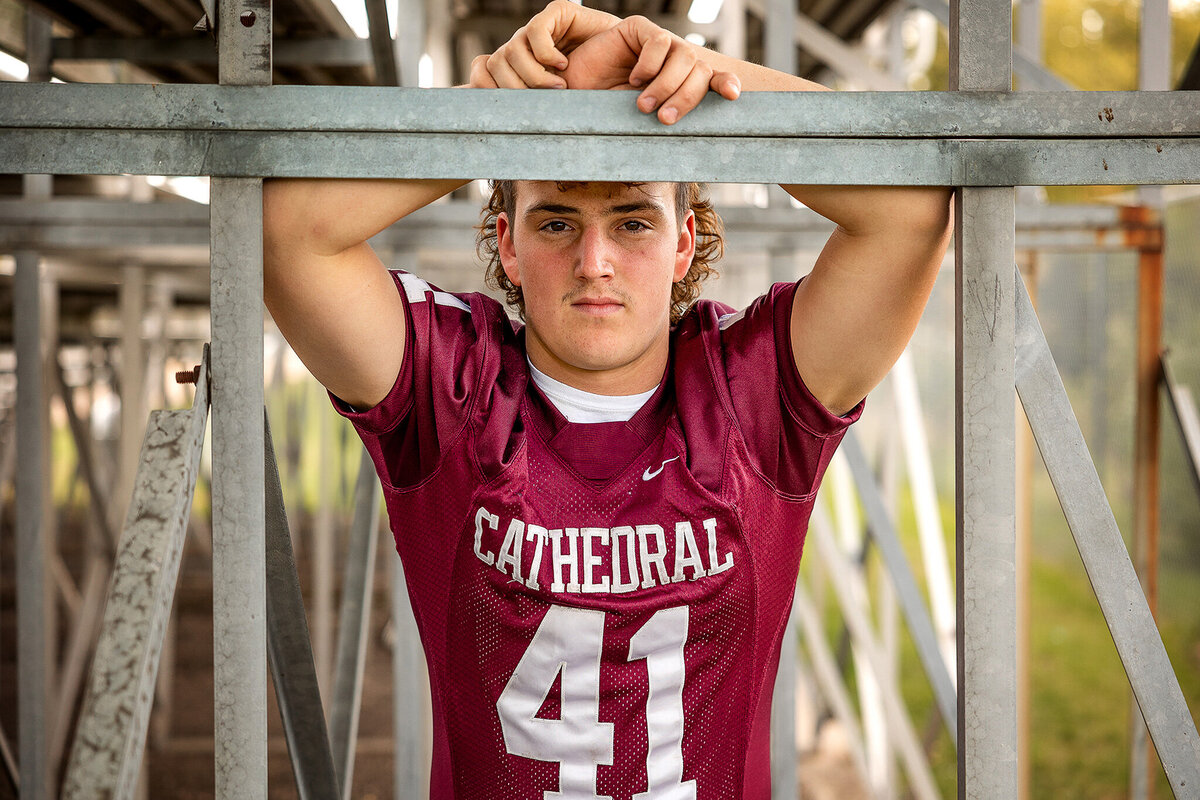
(415, 290)
(726, 320)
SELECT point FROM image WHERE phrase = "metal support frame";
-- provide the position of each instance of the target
(989, 138)
(1103, 552)
(984, 239)
(105, 759)
(1028, 68)
(33, 599)
(238, 491)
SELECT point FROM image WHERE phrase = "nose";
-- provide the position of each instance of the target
(594, 256)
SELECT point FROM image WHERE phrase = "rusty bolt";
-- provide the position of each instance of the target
(188, 375)
(249, 18)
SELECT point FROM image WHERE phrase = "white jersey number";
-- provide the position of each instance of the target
(570, 641)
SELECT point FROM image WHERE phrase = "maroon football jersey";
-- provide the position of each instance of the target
(601, 605)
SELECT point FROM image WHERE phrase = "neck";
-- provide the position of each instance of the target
(639, 375)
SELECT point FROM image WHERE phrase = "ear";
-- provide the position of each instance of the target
(506, 249)
(685, 250)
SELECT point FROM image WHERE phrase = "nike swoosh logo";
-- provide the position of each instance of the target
(648, 474)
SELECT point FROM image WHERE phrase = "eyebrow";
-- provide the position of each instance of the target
(624, 208)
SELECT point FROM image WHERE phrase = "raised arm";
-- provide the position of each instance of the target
(855, 313)
(326, 289)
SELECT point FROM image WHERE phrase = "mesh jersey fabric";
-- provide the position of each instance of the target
(601, 605)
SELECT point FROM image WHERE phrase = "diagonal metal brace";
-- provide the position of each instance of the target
(106, 755)
(916, 614)
(353, 622)
(289, 650)
(1081, 495)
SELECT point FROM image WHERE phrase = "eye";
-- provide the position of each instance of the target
(634, 226)
(555, 226)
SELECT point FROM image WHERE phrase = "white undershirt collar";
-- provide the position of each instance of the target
(580, 406)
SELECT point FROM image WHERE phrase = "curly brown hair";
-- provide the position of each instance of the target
(710, 243)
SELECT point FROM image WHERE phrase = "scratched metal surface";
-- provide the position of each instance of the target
(106, 755)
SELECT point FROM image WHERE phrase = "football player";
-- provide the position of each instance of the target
(600, 507)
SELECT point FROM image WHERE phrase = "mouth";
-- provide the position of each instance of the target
(598, 306)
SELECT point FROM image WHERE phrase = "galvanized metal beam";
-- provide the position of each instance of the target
(784, 772)
(410, 702)
(925, 162)
(985, 428)
(863, 115)
(238, 490)
(1028, 68)
(106, 755)
(1102, 549)
(33, 597)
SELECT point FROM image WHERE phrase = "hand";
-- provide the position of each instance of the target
(568, 46)
(636, 53)
(537, 53)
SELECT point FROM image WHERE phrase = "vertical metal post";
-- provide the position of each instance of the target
(323, 554)
(1145, 500)
(33, 600)
(409, 27)
(732, 24)
(1029, 31)
(35, 597)
(783, 717)
(1154, 74)
(984, 239)
(1154, 68)
(238, 491)
(779, 36)
(132, 301)
(1024, 556)
(410, 708)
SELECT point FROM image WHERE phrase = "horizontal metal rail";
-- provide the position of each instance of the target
(1102, 549)
(106, 755)
(793, 115)
(888, 138)
(830, 161)
(65, 225)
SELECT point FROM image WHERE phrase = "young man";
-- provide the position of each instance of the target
(600, 512)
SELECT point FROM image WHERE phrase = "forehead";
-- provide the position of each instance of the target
(582, 194)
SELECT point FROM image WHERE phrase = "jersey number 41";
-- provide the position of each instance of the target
(570, 641)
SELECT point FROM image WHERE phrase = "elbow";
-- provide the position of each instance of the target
(932, 213)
